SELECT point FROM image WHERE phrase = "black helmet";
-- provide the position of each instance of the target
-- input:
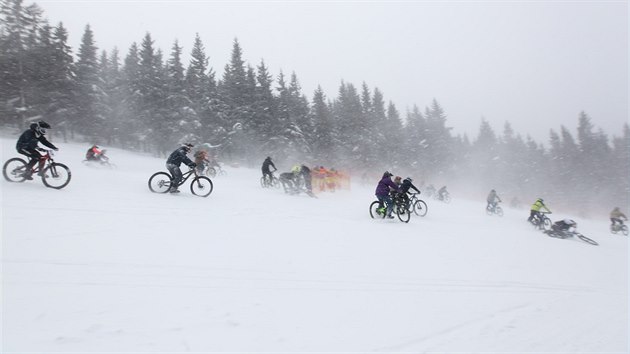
(40, 128)
(187, 146)
(408, 179)
(387, 174)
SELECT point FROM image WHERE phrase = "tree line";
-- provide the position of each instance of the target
(147, 100)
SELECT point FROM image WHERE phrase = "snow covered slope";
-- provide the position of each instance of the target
(105, 265)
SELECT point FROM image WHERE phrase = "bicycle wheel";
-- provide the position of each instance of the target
(587, 240)
(546, 224)
(56, 176)
(275, 182)
(404, 214)
(499, 211)
(160, 182)
(374, 211)
(13, 170)
(420, 208)
(447, 198)
(263, 182)
(624, 230)
(201, 186)
(212, 172)
(489, 210)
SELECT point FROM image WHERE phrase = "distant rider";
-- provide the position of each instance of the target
(175, 160)
(201, 160)
(563, 227)
(442, 193)
(617, 217)
(93, 154)
(535, 211)
(493, 199)
(266, 171)
(27, 145)
(385, 185)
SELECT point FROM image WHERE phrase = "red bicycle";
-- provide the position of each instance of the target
(54, 175)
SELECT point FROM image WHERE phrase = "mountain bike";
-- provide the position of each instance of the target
(401, 208)
(615, 228)
(417, 205)
(267, 182)
(494, 209)
(541, 221)
(569, 234)
(54, 175)
(160, 182)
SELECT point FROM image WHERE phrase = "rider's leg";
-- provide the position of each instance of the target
(176, 173)
(390, 205)
(33, 156)
(532, 215)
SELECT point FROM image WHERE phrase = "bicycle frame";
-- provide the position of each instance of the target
(187, 174)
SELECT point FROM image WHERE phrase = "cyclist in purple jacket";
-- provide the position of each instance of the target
(385, 185)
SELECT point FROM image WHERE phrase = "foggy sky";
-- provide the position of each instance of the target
(536, 64)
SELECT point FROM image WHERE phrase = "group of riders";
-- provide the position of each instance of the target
(297, 180)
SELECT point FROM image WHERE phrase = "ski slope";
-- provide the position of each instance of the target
(106, 266)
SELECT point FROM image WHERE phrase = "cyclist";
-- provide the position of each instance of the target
(267, 173)
(493, 199)
(385, 185)
(175, 160)
(563, 227)
(93, 153)
(535, 216)
(617, 217)
(404, 188)
(201, 159)
(27, 145)
(442, 193)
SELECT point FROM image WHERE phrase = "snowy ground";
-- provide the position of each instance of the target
(105, 265)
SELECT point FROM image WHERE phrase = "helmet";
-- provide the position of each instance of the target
(387, 174)
(493, 190)
(268, 158)
(40, 128)
(187, 146)
(570, 222)
(540, 200)
(408, 179)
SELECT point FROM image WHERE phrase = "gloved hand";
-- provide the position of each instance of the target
(192, 165)
(56, 149)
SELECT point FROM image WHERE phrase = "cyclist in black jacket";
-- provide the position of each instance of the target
(175, 160)
(404, 188)
(266, 171)
(27, 145)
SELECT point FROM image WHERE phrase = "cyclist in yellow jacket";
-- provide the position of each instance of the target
(535, 211)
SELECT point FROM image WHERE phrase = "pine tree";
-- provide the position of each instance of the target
(90, 115)
(152, 96)
(18, 38)
(265, 123)
(323, 136)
